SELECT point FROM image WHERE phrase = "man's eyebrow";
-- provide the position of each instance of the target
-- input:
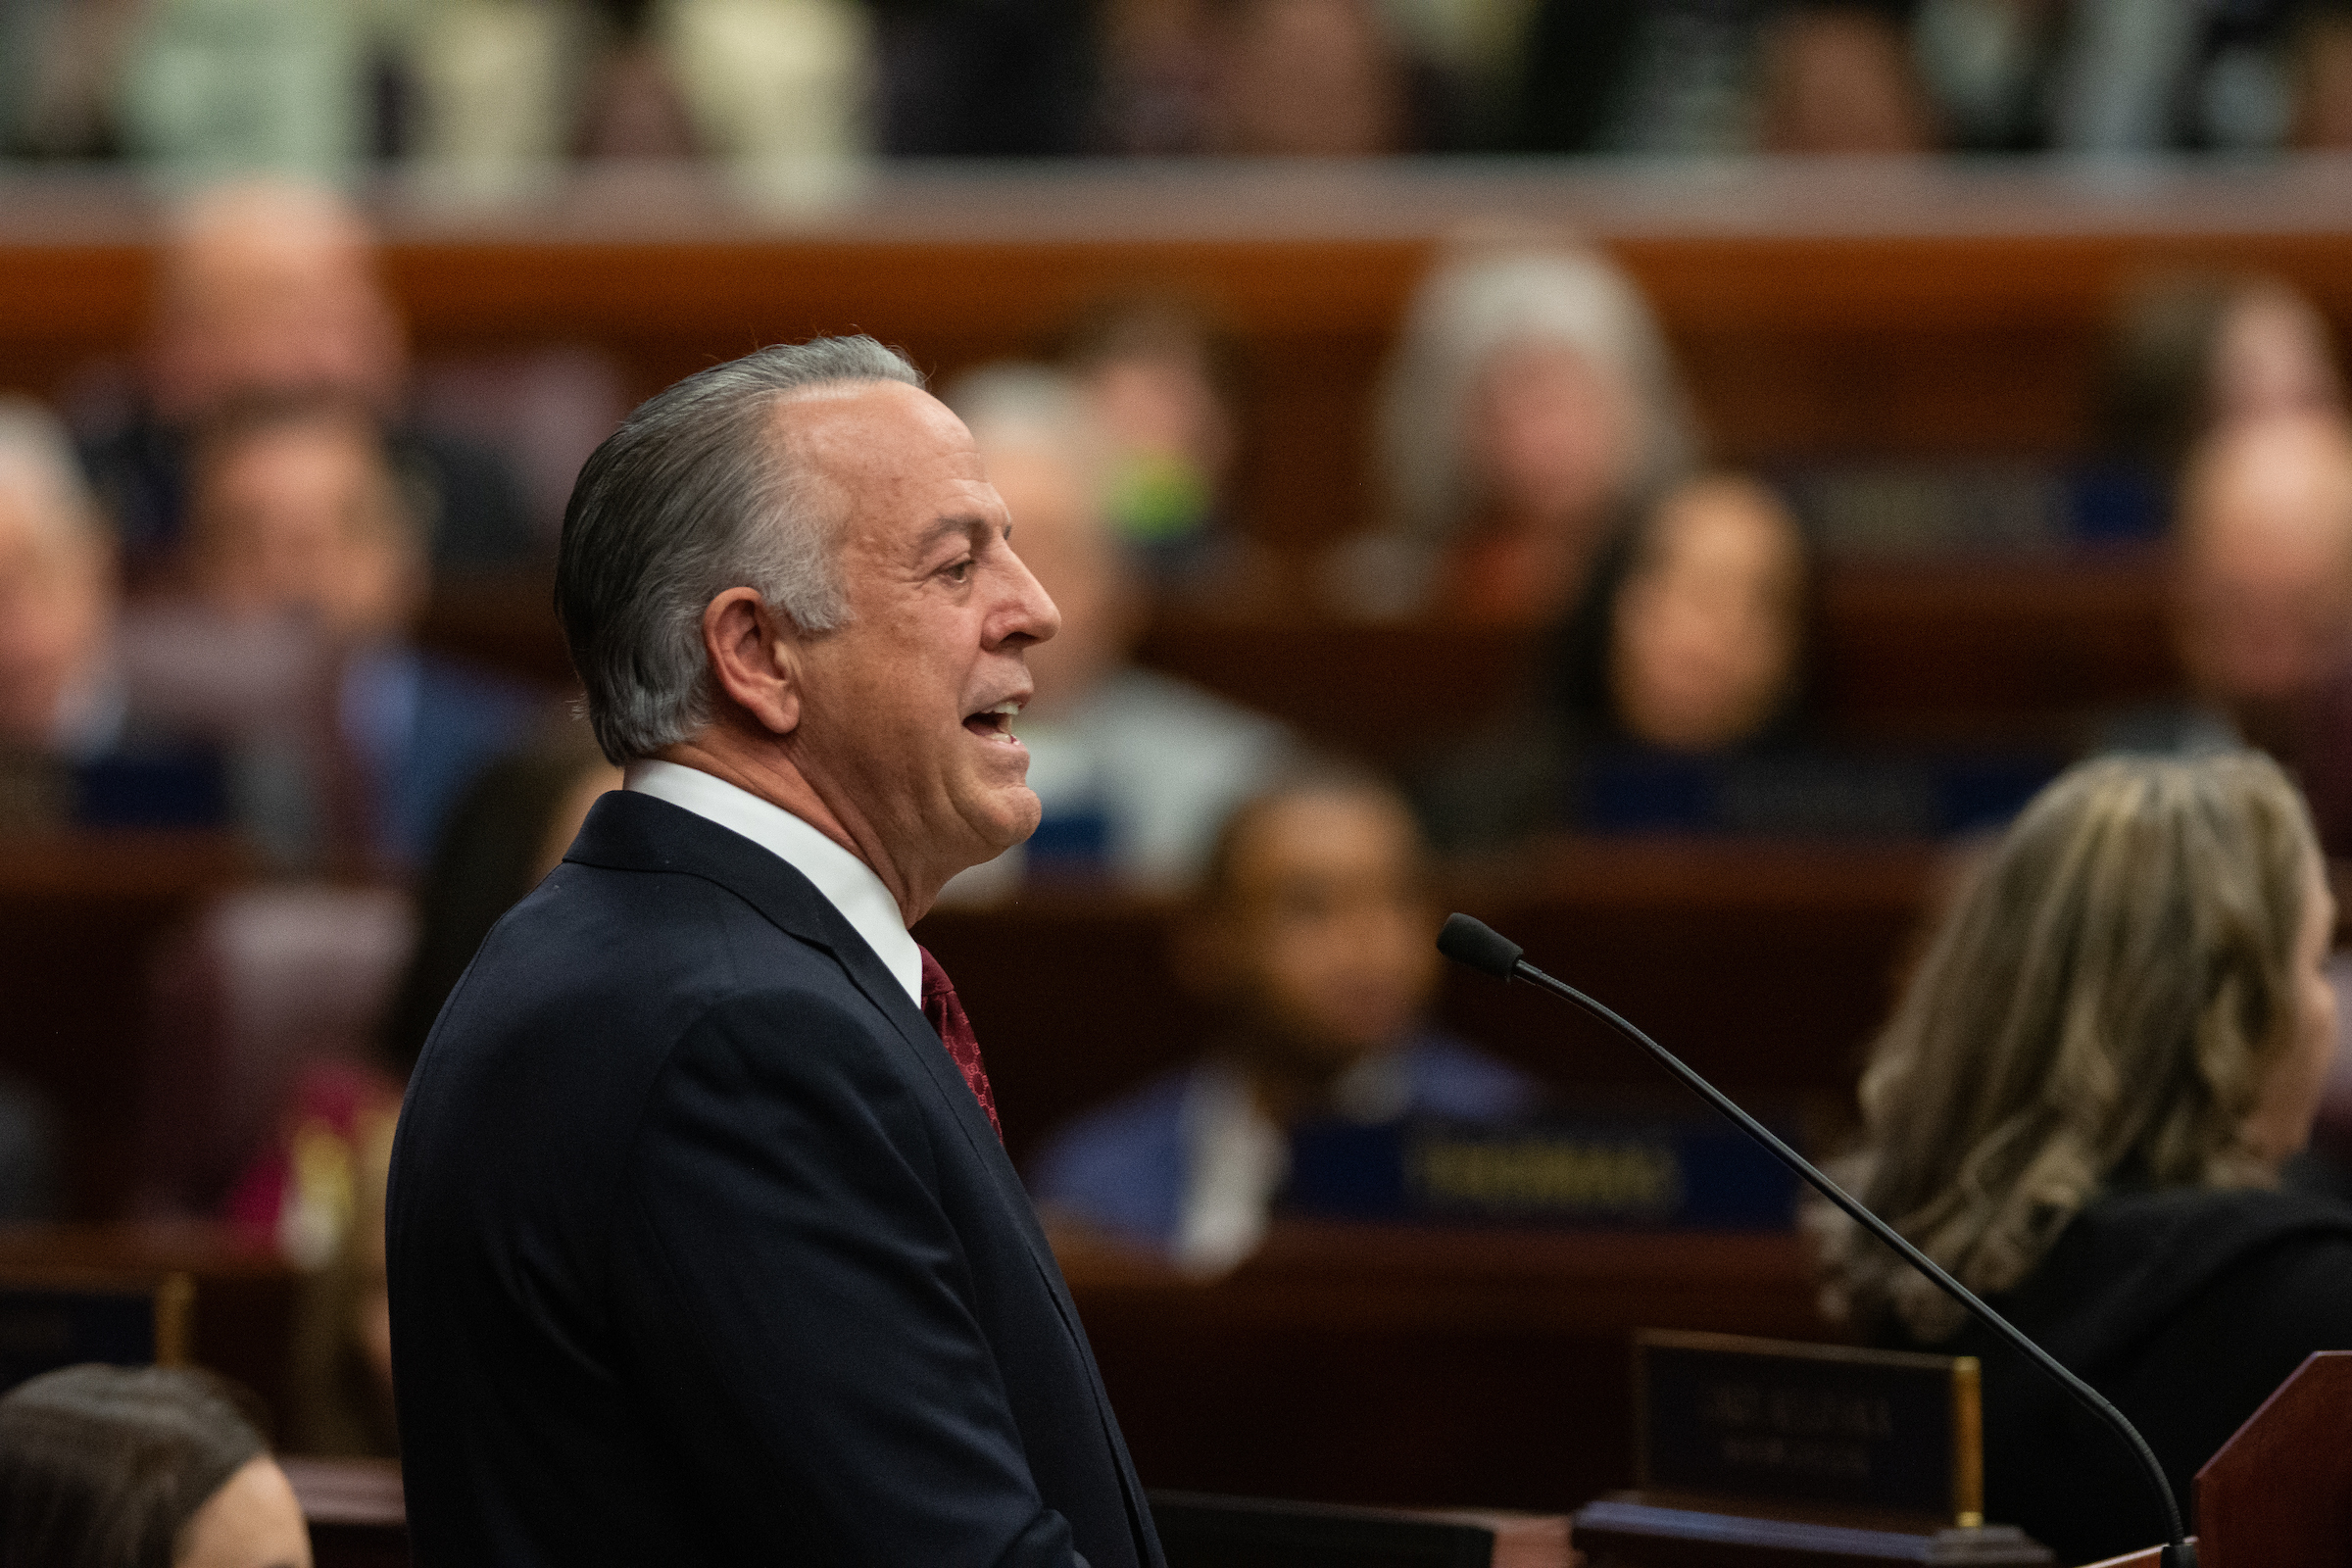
(945, 528)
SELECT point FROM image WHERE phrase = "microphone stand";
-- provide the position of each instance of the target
(1478, 946)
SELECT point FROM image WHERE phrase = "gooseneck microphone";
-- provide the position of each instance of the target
(1478, 946)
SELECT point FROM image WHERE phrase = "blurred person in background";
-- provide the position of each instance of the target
(2081, 1109)
(1310, 932)
(1692, 637)
(1158, 383)
(268, 291)
(58, 691)
(1711, 78)
(2261, 609)
(1284, 78)
(1135, 770)
(1687, 652)
(2188, 354)
(1529, 405)
(140, 1466)
(80, 748)
(298, 515)
(1307, 78)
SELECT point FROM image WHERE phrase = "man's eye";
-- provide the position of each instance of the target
(959, 572)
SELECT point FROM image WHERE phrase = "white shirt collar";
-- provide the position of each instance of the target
(848, 883)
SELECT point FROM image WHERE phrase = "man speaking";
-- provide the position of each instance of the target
(703, 1244)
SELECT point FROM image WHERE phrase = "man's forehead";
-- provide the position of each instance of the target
(894, 456)
(871, 422)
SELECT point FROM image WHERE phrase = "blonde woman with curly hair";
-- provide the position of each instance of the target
(2081, 1107)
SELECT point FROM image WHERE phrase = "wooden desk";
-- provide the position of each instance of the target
(1366, 1364)
(245, 1295)
(1827, 307)
(79, 918)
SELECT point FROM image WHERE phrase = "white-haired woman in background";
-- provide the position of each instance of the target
(1529, 403)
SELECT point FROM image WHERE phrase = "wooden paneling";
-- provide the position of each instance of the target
(245, 1293)
(81, 917)
(1362, 1364)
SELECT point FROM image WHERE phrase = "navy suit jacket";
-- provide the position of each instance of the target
(702, 1250)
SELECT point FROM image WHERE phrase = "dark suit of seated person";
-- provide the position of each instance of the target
(2081, 1109)
(1312, 932)
(702, 1243)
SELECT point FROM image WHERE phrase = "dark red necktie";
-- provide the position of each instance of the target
(956, 1033)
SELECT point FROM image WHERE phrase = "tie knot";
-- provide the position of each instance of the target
(936, 984)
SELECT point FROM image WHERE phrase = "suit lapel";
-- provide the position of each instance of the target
(638, 832)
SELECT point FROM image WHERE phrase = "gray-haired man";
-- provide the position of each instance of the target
(703, 1244)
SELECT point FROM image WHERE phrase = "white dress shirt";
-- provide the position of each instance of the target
(848, 883)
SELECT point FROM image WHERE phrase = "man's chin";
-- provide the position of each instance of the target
(1010, 815)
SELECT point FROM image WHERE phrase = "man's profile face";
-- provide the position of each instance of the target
(905, 714)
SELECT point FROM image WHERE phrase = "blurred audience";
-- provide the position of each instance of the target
(1310, 932)
(2190, 353)
(1135, 770)
(142, 1466)
(1159, 386)
(1688, 651)
(269, 291)
(2107, 76)
(1529, 405)
(1721, 76)
(2081, 1107)
(298, 515)
(486, 93)
(507, 831)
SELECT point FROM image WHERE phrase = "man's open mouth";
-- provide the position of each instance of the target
(993, 723)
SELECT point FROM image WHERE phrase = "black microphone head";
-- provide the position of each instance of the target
(1480, 946)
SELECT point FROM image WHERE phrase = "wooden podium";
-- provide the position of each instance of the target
(2279, 1494)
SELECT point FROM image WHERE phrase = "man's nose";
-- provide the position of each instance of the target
(1033, 615)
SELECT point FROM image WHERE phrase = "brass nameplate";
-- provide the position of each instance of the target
(1773, 1421)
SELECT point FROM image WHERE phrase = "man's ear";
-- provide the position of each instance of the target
(755, 658)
